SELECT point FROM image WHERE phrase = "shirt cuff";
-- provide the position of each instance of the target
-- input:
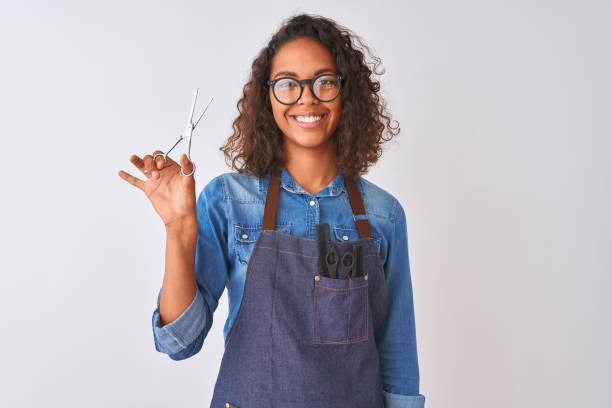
(180, 333)
(403, 401)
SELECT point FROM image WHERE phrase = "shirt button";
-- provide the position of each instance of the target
(244, 236)
(344, 237)
(312, 203)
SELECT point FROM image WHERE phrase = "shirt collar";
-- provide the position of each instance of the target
(334, 188)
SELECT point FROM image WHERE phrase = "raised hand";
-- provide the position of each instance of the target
(171, 193)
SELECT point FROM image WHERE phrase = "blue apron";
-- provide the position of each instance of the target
(300, 339)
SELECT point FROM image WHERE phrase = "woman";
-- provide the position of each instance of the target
(310, 122)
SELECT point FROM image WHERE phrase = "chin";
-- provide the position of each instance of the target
(307, 141)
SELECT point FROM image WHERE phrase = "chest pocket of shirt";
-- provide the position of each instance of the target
(245, 237)
(344, 233)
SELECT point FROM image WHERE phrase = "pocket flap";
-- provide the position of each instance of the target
(248, 234)
(344, 233)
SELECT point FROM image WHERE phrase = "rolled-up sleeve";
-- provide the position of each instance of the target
(183, 331)
(183, 337)
(396, 338)
(403, 401)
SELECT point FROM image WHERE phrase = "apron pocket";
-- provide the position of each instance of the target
(340, 310)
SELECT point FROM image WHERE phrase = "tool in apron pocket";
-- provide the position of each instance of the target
(351, 263)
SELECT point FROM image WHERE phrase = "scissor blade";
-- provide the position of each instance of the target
(193, 103)
(204, 111)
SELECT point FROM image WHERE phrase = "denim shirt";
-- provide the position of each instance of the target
(230, 211)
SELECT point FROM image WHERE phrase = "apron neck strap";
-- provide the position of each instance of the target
(355, 200)
(363, 226)
(269, 219)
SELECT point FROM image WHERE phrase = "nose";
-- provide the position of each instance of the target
(307, 95)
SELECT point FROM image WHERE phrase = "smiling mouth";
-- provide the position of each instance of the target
(309, 121)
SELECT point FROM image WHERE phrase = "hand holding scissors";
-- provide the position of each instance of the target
(189, 127)
(172, 195)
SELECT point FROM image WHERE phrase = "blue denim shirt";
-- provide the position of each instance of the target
(230, 212)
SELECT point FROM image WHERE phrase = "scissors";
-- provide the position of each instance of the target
(188, 132)
(351, 263)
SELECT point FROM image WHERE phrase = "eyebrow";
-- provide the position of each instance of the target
(289, 73)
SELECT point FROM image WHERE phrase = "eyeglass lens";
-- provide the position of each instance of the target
(325, 88)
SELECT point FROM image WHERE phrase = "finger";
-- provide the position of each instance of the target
(140, 164)
(169, 162)
(159, 161)
(148, 165)
(186, 165)
(132, 180)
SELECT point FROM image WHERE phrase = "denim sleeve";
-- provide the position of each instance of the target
(396, 338)
(183, 337)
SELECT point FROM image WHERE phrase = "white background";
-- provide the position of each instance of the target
(502, 166)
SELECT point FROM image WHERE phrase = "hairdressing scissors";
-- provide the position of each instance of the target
(349, 265)
(188, 132)
(329, 261)
(354, 267)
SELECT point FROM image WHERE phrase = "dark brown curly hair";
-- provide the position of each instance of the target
(365, 124)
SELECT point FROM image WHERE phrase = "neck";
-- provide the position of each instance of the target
(312, 169)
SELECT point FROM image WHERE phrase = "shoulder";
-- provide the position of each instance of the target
(384, 213)
(234, 186)
(378, 202)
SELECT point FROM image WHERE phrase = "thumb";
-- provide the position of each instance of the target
(186, 165)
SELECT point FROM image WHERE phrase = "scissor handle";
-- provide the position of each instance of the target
(332, 264)
(159, 154)
(346, 270)
(192, 171)
(182, 172)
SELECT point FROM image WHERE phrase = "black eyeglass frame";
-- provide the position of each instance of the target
(310, 81)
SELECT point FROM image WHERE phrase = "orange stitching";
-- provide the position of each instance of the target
(366, 317)
(348, 322)
(342, 342)
(287, 252)
(314, 323)
(366, 314)
(340, 289)
(296, 253)
(242, 301)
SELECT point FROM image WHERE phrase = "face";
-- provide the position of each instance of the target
(305, 58)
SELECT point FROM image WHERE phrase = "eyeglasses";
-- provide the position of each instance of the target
(325, 88)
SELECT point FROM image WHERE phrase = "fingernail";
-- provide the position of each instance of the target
(154, 173)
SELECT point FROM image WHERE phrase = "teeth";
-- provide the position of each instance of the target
(308, 118)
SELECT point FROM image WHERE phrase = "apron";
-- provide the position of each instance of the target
(302, 340)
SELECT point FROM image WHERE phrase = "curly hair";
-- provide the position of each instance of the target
(365, 124)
